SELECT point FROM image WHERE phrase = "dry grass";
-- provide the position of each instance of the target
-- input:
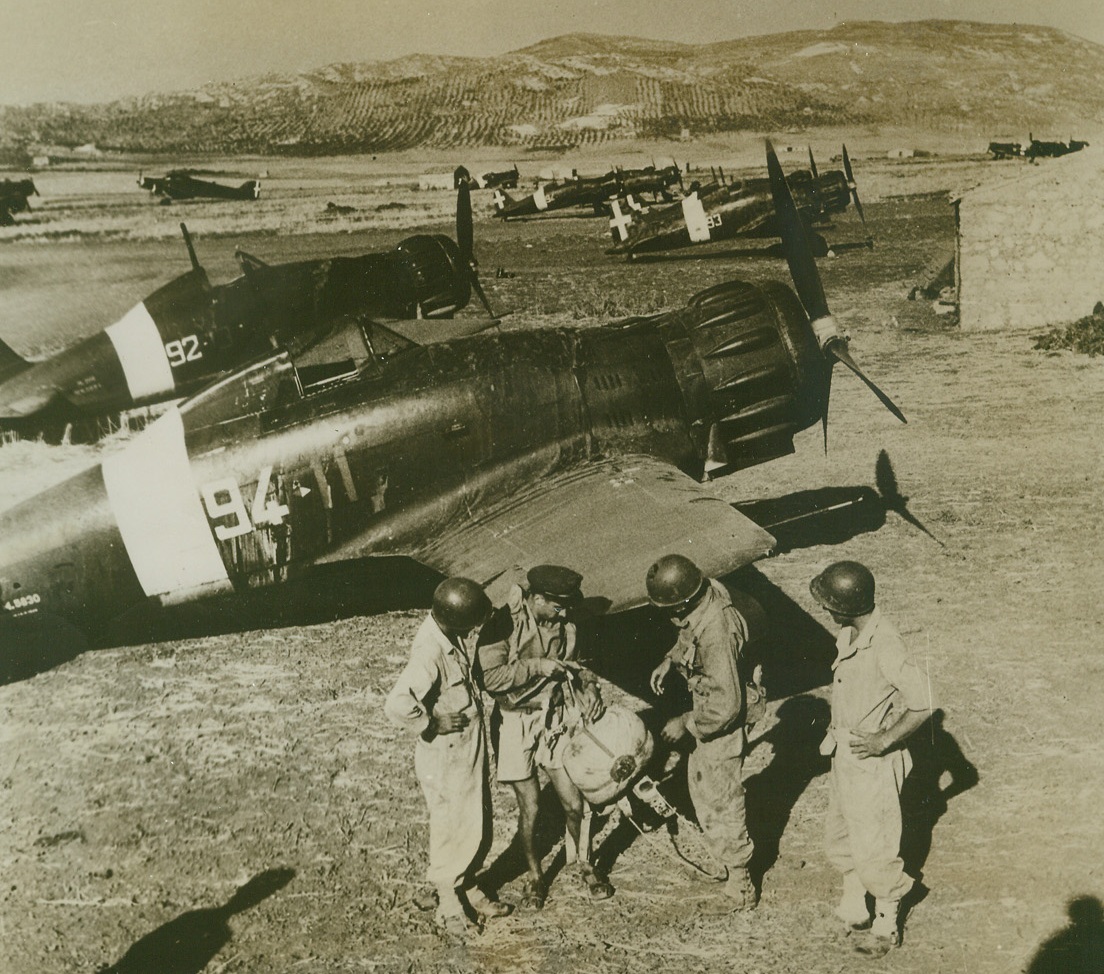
(149, 780)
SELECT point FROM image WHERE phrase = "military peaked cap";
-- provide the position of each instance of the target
(556, 582)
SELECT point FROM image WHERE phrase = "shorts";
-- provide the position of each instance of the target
(522, 745)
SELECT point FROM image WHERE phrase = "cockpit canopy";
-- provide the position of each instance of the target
(352, 349)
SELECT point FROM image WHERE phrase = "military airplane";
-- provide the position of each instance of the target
(726, 210)
(1050, 150)
(590, 192)
(507, 179)
(188, 332)
(655, 181)
(180, 184)
(1005, 150)
(470, 455)
(14, 198)
(578, 191)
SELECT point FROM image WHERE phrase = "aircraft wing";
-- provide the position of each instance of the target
(609, 521)
(427, 331)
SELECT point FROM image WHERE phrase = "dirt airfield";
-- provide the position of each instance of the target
(243, 747)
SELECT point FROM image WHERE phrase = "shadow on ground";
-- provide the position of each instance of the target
(1078, 948)
(187, 944)
(940, 771)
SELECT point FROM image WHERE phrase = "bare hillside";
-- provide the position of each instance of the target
(581, 88)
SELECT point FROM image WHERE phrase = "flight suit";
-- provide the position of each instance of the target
(707, 653)
(451, 768)
(874, 682)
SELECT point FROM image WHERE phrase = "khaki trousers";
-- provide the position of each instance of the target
(863, 828)
(452, 770)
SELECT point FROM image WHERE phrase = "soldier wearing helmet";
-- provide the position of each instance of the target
(879, 697)
(712, 635)
(528, 652)
(437, 698)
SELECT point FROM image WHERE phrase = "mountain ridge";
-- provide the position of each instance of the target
(582, 88)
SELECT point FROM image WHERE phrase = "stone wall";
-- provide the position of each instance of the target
(1030, 252)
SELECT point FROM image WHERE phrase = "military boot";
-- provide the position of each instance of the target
(852, 908)
(885, 926)
(739, 889)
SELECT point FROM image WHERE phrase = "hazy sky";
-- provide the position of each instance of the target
(95, 50)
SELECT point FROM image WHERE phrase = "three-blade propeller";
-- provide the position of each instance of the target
(806, 278)
(464, 242)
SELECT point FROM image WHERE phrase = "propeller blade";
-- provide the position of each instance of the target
(795, 242)
(478, 288)
(812, 164)
(464, 241)
(464, 234)
(824, 416)
(836, 348)
(852, 185)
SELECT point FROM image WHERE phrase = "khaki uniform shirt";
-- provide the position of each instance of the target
(438, 678)
(511, 645)
(874, 682)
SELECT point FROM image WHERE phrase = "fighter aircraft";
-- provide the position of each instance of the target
(187, 332)
(1050, 150)
(656, 182)
(726, 210)
(180, 184)
(586, 447)
(14, 196)
(581, 191)
(589, 192)
(507, 179)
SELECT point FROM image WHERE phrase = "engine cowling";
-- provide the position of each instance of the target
(750, 369)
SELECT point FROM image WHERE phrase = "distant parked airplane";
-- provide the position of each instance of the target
(179, 184)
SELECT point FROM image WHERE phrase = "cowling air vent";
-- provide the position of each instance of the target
(761, 368)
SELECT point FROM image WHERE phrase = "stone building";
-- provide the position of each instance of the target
(1029, 249)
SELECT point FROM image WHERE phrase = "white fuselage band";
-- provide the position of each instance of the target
(142, 354)
(160, 515)
(696, 221)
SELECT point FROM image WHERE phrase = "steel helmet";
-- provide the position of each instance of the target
(846, 588)
(459, 605)
(673, 580)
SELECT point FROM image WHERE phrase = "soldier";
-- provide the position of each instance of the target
(437, 698)
(707, 654)
(879, 698)
(527, 653)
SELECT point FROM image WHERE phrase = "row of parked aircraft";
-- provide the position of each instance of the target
(204, 330)
(701, 213)
(1035, 149)
(346, 414)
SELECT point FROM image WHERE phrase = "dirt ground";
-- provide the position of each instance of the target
(145, 782)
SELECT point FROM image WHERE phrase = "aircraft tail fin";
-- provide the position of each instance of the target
(502, 199)
(252, 187)
(11, 362)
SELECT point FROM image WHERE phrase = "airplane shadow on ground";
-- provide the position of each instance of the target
(188, 943)
(1078, 948)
